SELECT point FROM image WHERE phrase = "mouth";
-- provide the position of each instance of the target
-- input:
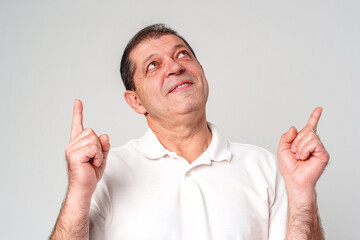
(179, 86)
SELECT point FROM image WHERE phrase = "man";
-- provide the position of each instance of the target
(183, 180)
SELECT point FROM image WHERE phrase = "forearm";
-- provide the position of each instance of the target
(303, 218)
(73, 220)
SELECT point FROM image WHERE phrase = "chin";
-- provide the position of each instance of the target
(190, 107)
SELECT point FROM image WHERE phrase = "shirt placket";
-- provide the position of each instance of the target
(194, 207)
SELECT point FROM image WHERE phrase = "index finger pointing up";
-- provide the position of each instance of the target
(77, 121)
(314, 118)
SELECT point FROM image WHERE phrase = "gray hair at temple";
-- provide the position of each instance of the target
(127, 68)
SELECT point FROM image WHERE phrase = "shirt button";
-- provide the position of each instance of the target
(188, 174)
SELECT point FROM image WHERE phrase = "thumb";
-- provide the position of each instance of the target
(286, 139)
(105, 144)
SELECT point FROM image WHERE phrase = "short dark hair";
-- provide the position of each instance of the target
(127, 68)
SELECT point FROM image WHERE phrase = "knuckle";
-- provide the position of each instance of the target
(94, 138)
(89, 131)
(314, 140)
(312, 132)
(68, 150)
(101, 157)
(295, 142)
(93, 149)
(90, 149)
(92, 141)
(306, 130)
(318, 142)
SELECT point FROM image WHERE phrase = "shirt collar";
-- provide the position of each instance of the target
(218, 148)
(151, 147)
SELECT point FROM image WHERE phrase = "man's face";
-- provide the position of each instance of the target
(168, 78)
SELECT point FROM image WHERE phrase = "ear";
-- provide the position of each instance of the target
(134, 102)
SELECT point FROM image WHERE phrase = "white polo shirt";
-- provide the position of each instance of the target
(232, 191)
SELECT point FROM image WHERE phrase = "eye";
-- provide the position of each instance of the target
(183, 54)
(152, 65)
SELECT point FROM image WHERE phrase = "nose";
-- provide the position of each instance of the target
(174, 68)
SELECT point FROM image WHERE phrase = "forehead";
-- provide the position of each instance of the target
(152, 46)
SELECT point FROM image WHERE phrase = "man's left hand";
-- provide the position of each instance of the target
(302, 156)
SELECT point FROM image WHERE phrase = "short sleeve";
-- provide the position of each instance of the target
(97, 223)
(278, 211)
(99, 210)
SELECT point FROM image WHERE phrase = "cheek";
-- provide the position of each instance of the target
(151, 90)
(149, 94)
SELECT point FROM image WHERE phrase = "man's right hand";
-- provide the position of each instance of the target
(85, 155)
(86, 159)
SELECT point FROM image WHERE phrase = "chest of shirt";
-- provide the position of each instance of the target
(173, 201)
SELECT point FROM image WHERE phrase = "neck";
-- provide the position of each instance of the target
(187, 136)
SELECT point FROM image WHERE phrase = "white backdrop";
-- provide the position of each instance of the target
(268, 63)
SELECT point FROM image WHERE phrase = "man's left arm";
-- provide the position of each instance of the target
(302, 159)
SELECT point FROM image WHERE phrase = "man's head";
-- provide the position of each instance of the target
(164, 78)
(127, 67)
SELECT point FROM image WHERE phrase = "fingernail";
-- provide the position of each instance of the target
(293, 148)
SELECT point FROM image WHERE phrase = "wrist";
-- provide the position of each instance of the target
(301, 196)
(79, 191)
(77, 200)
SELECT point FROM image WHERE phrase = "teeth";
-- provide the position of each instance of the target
(181, 85)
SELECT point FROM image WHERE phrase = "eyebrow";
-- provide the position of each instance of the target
(180, 45)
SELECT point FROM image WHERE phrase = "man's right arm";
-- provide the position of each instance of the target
(302, 159)
(86, 160)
